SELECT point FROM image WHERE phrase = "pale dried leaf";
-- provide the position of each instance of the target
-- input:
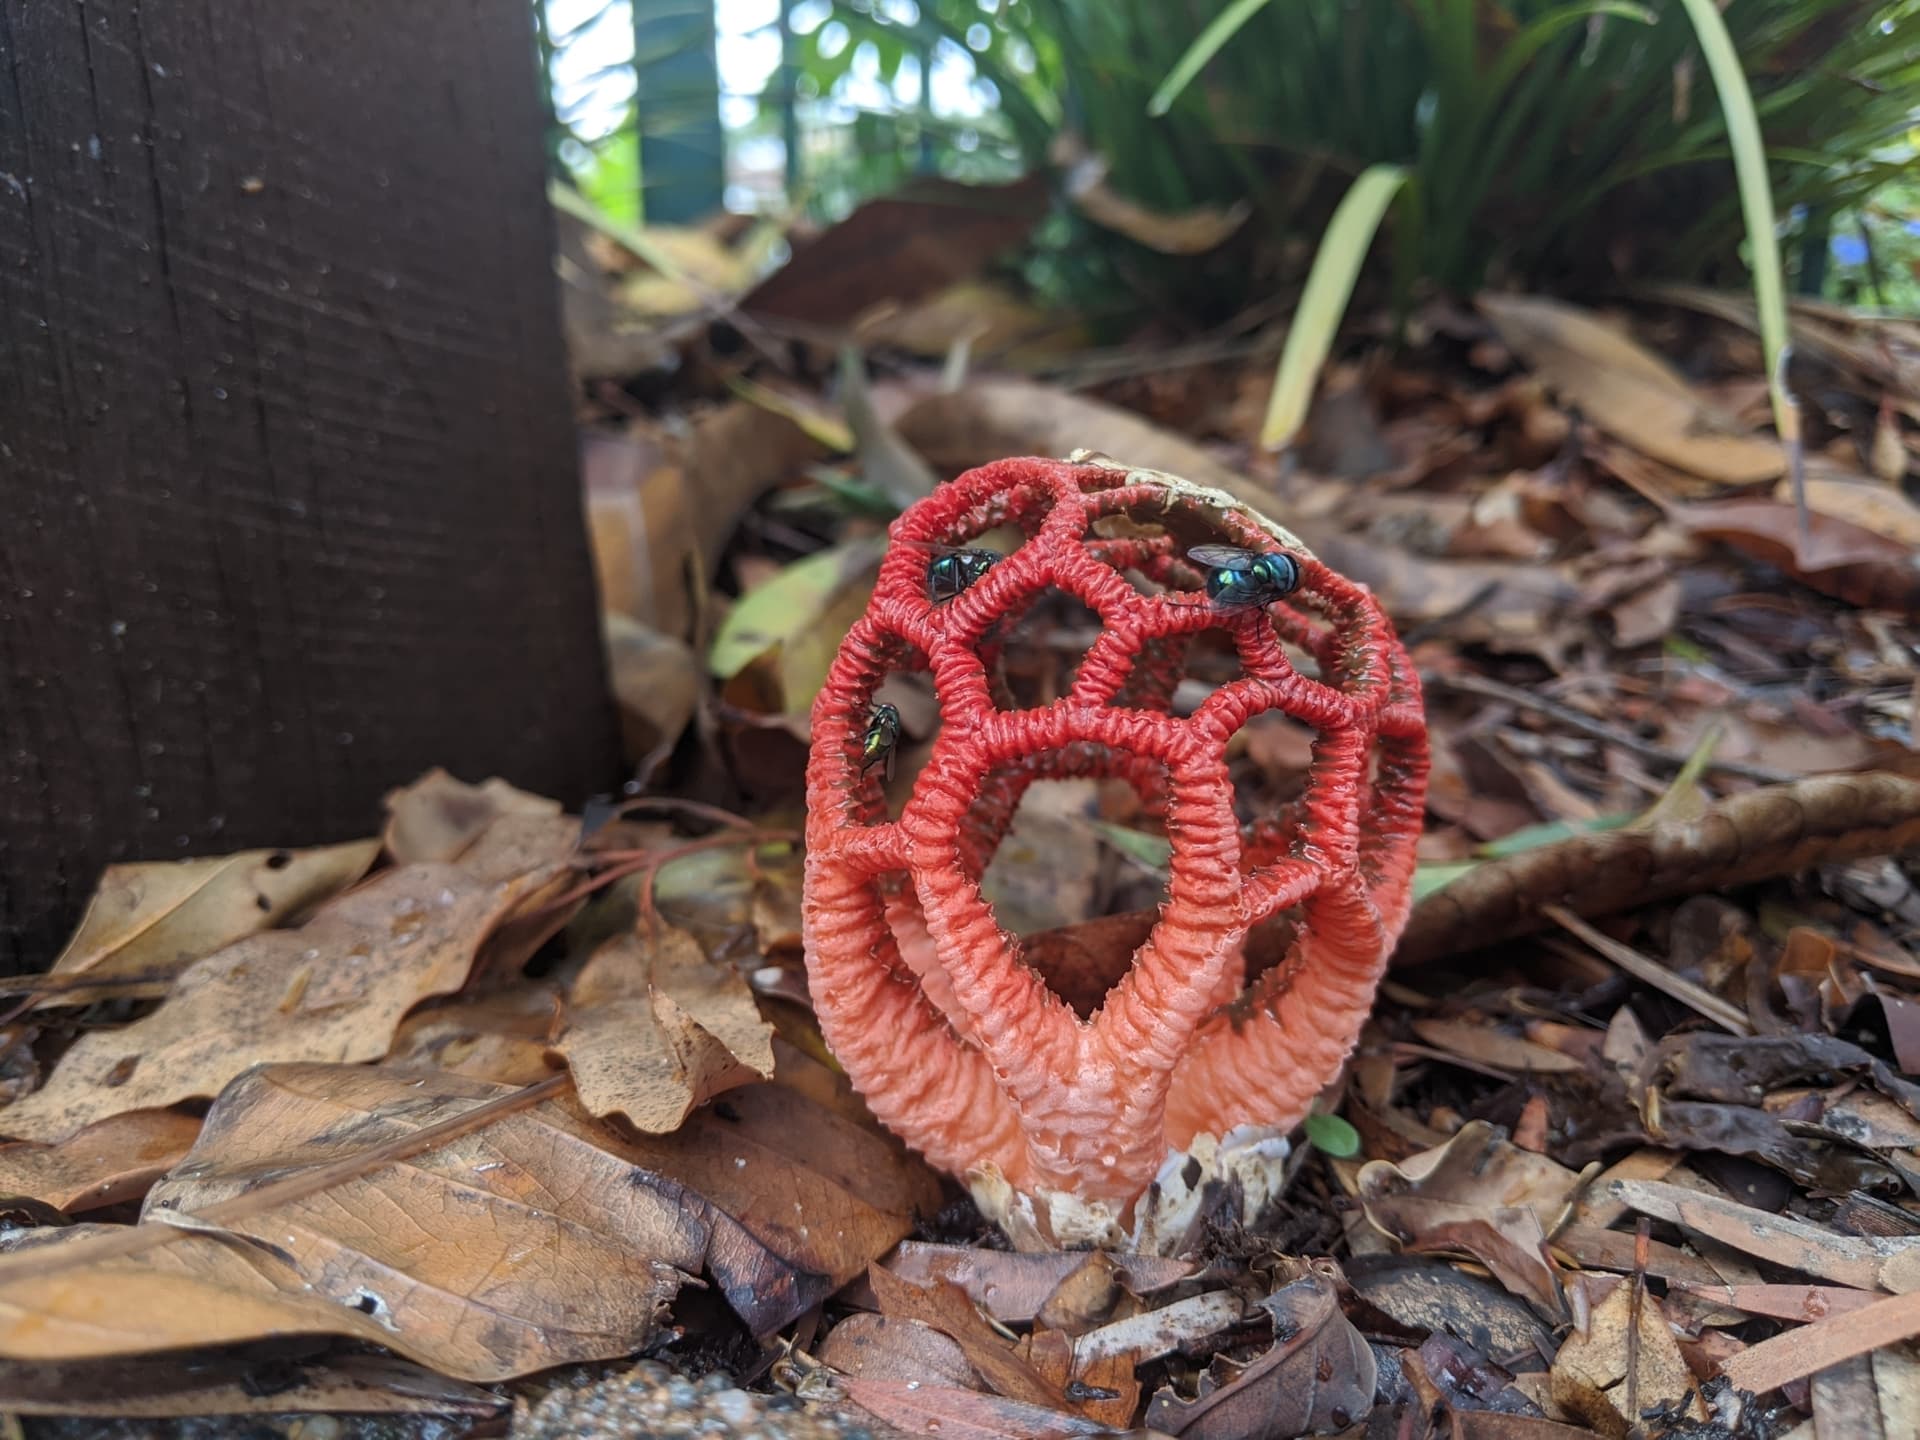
(545, 1244)
(437, 817)
(154, 919)
(335, 989)
(1487, 1046)
(657, 1029)
(1190, 232)
(1629, 392)
(1590, 1374)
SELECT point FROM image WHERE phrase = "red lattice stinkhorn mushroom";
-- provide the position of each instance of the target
(956, 1043)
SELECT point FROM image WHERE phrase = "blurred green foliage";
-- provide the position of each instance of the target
(1562, 143)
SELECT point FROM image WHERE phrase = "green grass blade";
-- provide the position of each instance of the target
(1224, 27)
(1324, 302)
(1523, 46)
(1756, 202)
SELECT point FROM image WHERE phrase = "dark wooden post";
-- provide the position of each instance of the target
(288, 501)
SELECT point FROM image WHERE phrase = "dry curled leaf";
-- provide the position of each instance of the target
(1190, 232)
(152, 920)
(1850, 562)
(501, 1035)
(334, 989)
(945, 1307)
(1317, 1379)
(656, 1028)
(437, 817)
(1480, 1195)
(528, 1243)
(1628, 391)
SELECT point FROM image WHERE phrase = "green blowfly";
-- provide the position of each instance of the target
(1240, 579)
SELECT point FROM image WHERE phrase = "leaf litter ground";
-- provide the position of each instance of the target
(468, 1116)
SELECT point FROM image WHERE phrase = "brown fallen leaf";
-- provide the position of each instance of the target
(334, 989)
(242, 1382)
(640, 521)
(800, 1198)
(996, 416)
(1487, 1046)
(1011, 1286)
(1492, 1425)
(1481, 1195)
(1757, 835)
(1869, 504)
(1191, 232)
(657, 683)
(955, 1414)
(1596, 1249)
(502, 1035)
(1425, 1293)
(1318, 1377)
(545, 1243)
(656, 1028)
(1628, 391)
(907, 245)
(878, 1347)
(1624, 1364)
(726, 459)
(945, 1307)
(1872, 1396)
(438, 817)
(152, 920)
(987, 316)
(1085, 1296)
(1802, 1303)
(1103, 1386)
(1861, 566)
(107, 1163)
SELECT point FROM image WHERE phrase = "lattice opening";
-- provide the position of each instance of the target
(1034, 654)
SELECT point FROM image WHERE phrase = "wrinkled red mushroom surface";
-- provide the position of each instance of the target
(955, 1042)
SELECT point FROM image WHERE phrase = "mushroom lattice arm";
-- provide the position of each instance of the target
(956, 1043)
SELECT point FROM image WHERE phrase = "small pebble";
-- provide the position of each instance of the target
(653, 1402)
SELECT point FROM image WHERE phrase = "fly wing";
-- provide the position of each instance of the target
(1227, 557)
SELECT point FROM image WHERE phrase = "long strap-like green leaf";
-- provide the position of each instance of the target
(1322, 304)
(1224, 27)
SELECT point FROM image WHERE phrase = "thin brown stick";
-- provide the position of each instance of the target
(673, 804)
(1651, 972)
(1598, 729)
